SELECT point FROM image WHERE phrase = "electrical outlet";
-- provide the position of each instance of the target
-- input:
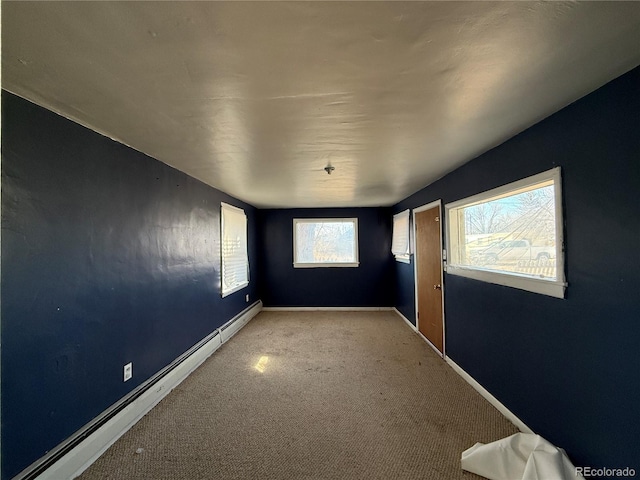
(247, 297)
(128, 371)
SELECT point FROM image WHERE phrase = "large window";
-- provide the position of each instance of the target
(511, 235)
(235, 261)
(325, 242)
(400, 243)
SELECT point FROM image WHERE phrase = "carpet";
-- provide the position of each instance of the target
(311, 395)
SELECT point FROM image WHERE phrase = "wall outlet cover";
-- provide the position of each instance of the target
(128, 371)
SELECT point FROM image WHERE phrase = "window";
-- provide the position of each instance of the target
(400, 244)
(511, 235)
(325, 242)
(235, 261)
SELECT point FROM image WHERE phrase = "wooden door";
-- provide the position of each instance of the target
(429, 275)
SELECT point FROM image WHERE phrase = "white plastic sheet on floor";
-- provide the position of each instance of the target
(523, 456)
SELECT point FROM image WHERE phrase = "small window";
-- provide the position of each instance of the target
(511, 235)
(325, 242)
(400, 244)
(234, 261)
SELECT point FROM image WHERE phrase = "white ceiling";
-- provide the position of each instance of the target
(257, 98)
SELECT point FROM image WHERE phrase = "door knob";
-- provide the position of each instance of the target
(437, 287)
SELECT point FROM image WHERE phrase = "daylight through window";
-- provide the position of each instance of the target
(234, 261)
(400, 243)
(325, 242)
(511, 235)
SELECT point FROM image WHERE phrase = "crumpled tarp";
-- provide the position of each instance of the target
(524, 456)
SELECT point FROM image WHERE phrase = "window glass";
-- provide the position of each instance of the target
(514, 231)
(325, 242)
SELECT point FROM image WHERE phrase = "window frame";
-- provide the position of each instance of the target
(356, 240)
(406, 256)
(554, 288)
(238, 286)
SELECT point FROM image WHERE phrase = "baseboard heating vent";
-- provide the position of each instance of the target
(232, 327)
(71, 457)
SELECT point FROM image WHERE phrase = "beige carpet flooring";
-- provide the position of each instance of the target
(342, 395)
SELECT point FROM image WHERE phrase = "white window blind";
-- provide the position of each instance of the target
(235, 261)
(400, 244)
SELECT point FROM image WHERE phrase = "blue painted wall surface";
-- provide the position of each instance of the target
(405, 289)
(569, 368)
(369, 285)
(108, 257)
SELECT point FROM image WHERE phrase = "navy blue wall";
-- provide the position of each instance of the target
(108, 257)
(369, 285)
(569, 368)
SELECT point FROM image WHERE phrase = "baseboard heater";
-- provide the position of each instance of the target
(217, 338)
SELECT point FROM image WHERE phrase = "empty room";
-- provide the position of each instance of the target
(320, 240)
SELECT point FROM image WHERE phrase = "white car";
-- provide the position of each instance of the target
(520, 251)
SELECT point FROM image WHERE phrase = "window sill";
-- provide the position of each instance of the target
(325, 265)
(551, 288)
(234, 289)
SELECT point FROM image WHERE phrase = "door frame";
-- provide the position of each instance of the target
(436, 203)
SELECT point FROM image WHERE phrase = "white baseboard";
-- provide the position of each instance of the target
(326, 309)
(428, 342)
(471, 381)
(415, 329)
(84, 454)
(411, 325)
(490, 398)
(234, 325)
